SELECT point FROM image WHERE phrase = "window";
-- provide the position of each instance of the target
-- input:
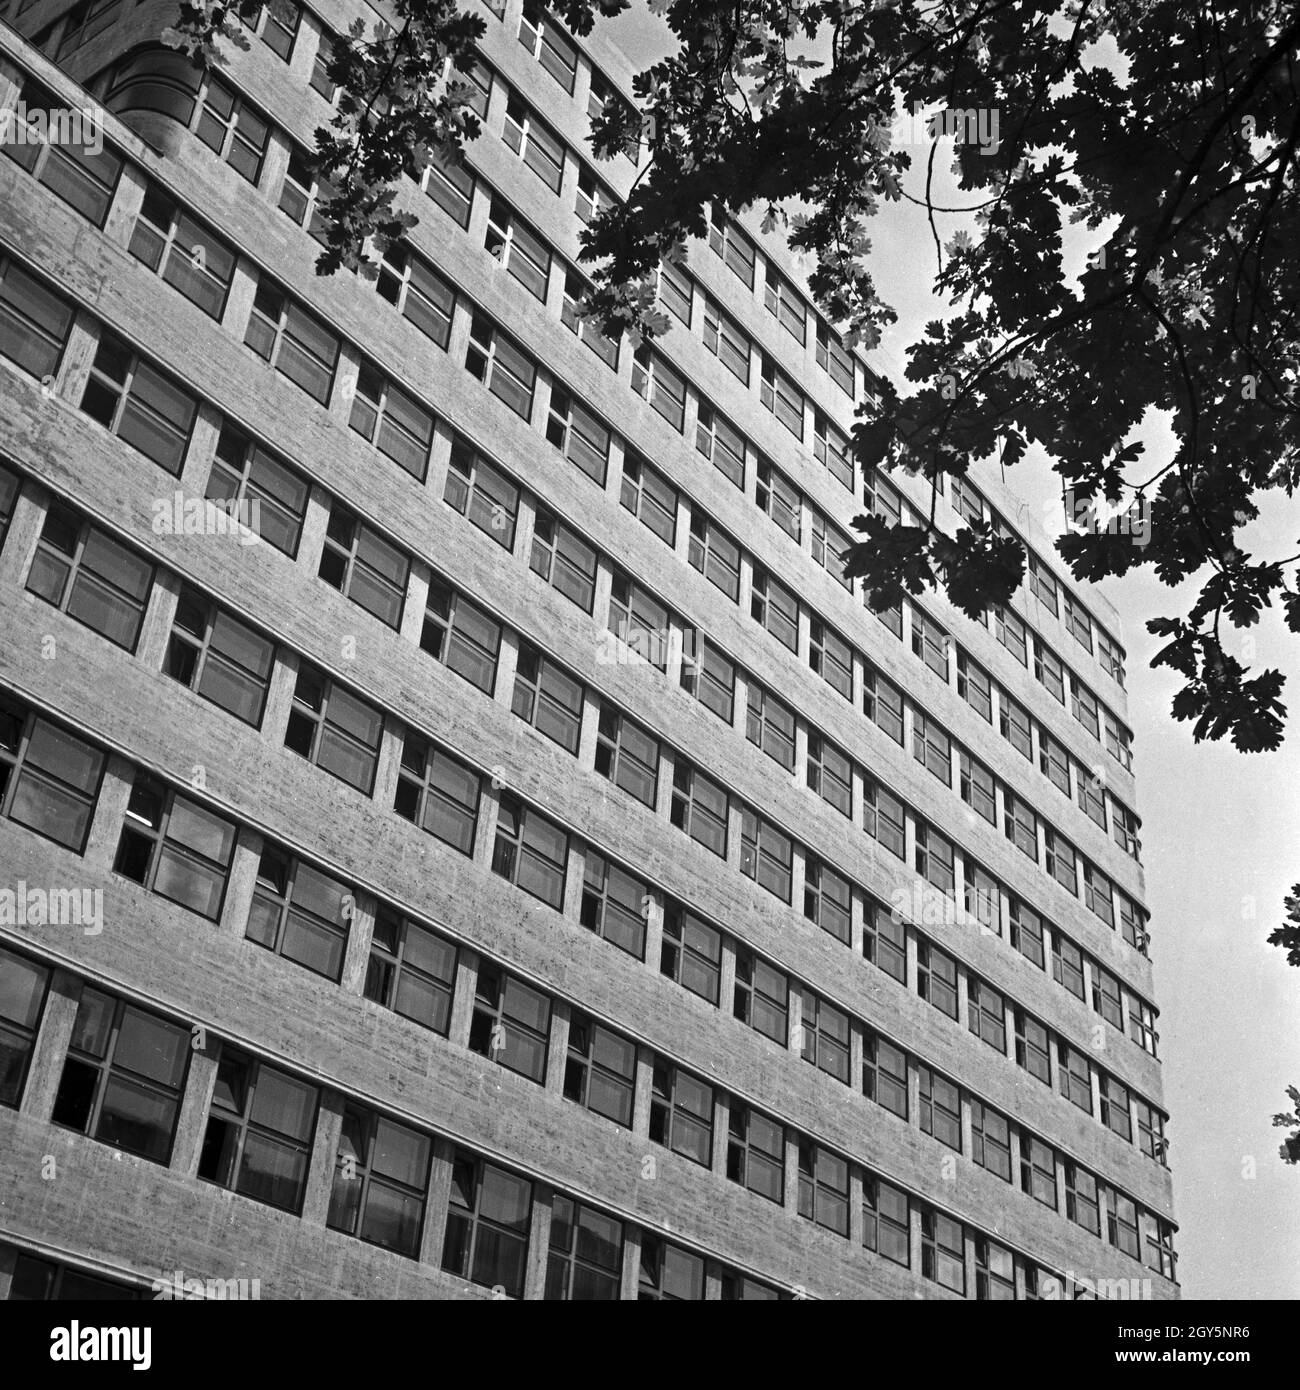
(1097, 889)
(1118, 742)
(511, 1023)
(461, 635)
(305, 197)
(604, 101)
(769, 725)
(778, 498)
(785, 304)
(1142, 1024)
(299, 912)
(220, 658)
(259, 1132)
(977, 787)
(548, 44)
(824, 1036)
(990, 1142)
(884, 941)
(827, 899)
(882, 703)
(940, 1108)
(882, 817)
(331, 727)
(381, 1177)
(140, 405)
(1027, 932)
(84, 22)
(930, 643)
(487, 1225)
(320, 79)
(22, 1001)
(936, 978)
(656, 382)
(725, 339)
(1091, 798)
(681, 1112)
(480, 491)
(563, 559)
(548, 698)
(531, 851)
(782, 397)
(1115, 1112)
(1016, 729)
(411, 285)
(1075, 1076)
(1042, 584)
(587, 330)
(363, 567)
(974, 686)
(593, 197)
(887, 1227)
(49, 779)
(578, 434)
(987, 1013)
(884, 1073)
(823, 1187)
(648, 495)
(1033, 1048)
(1037, 1170)
(183, 251)
(943, 1251)
(831, 450)
(229, 127)
(1061, 860)
(81, 176)
(293, 341)
(891, 617)
(600, 1071)
(1123, 823)
(668, 1273)
(501, 365)
(627, 755)
(934, 859)
(756, 1152)
(1049, 671)
(714, 554)
(521, 250)
(762, 997)
(1122, 1223)
(276, 23)
(451, 185)
(123, 1076)
(831, 657)
(639, 621)
(9, 486)
(932, 747)
(691, 952)
(834, 360)
(528, 136)
(275, 494)
(175, 847)
(720, 442)
(411, 971)
(829, 546)
(699, 807)
(1054, 762)
(675, 288)
(1083, 705)
(1158, 1245)
(1081, 1198)
(1151, 1131)
(766, 855)
(394, 422)
(585, 1259)
(614, 904)
(438, 793)
(1111, 655)
(830, 773)
(92, 578)
(1076, 620)
(1067, 964)
(732, 245)
(883, 499)
(1021, 825)
(775, 608)
(1012, 633)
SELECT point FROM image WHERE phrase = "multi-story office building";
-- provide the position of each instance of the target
(516, 860)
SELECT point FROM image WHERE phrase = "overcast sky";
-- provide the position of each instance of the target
(1219, 842)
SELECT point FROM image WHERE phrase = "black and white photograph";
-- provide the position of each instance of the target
(647, 653)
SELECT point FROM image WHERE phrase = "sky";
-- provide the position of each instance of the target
(1220, 843)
